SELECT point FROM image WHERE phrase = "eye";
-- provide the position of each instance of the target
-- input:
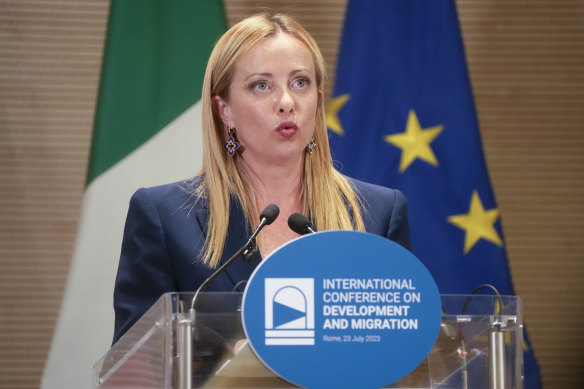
(260, 86)
(301, 83)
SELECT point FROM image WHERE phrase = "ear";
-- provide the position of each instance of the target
(320, 98)
(223, 109)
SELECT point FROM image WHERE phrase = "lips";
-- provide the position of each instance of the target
(287, 129)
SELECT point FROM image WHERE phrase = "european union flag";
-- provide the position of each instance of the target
(402, 115)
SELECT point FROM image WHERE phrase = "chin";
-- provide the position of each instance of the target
(291, 154)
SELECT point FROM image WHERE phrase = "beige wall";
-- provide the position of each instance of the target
(526, 61)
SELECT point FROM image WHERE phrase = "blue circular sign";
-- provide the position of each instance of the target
(341, 309)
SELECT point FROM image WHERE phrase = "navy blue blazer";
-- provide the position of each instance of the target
(165, 232)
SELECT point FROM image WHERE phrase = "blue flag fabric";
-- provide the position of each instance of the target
(402, 115)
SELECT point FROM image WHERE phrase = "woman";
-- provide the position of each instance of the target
(265, 141)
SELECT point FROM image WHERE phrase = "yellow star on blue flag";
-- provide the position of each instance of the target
(415, 142)
(478, 223)
(332, 113)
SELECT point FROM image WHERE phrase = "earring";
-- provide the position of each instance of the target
(311, 145)
(232, 145)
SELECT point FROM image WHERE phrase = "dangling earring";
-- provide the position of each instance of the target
(232, 145)
(311, 145)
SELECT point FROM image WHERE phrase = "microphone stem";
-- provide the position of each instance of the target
(227, 263)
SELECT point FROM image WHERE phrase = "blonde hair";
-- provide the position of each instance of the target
(328, 197)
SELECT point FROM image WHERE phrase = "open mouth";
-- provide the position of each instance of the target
(287, 129)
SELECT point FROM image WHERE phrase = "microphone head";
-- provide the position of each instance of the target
(270, 213)
(300, 224)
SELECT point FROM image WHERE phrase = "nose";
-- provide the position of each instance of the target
(285, 103)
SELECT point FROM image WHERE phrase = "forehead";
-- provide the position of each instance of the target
(281, 52)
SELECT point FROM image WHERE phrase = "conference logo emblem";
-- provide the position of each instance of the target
(289, 311)
(341, 299)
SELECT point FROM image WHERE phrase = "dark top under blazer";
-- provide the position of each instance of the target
(165, 232)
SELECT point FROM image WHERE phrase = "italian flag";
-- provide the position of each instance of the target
(146, 132)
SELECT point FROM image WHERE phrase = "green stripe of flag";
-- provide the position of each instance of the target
(154, 63)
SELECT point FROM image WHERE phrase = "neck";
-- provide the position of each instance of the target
(278, 184)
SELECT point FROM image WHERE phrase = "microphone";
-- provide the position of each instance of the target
(185, 325)
(268, 215)
(301, 224)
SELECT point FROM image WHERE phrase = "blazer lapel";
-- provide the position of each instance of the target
(238, 233)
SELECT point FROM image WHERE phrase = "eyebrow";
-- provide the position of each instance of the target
(267, 74)
(258, 74)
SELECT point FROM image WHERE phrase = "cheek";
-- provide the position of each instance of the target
(311, 111)
(251, 114)
(252, 124)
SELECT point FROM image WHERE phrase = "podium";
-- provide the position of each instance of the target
(479, 345)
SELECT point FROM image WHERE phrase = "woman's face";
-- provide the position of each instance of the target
(272, 101)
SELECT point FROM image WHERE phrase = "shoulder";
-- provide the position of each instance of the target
(384, 211)
(176, 195)
(174, 189)
(375, 195)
